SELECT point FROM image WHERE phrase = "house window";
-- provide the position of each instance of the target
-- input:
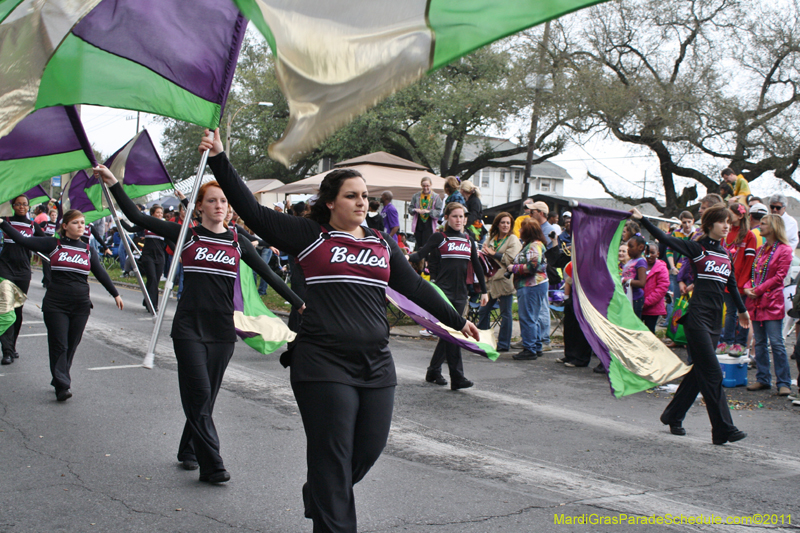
(544, 185)
(517, 174)
(503, 174)
(485, 178)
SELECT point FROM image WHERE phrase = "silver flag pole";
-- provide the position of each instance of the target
(150, 356)
(124, 239)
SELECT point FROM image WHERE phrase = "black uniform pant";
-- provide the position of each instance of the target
(200, 370)
(64, 332)
(447, 351)
(422, 233)
(706, 377)
(346, 430)
(577, 350)
(152, 267)
(8, 340)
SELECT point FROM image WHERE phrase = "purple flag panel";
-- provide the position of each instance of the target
(75, 193)
(51, 131)
(142, 164)
(173, 38)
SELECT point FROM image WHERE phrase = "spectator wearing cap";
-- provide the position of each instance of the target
(527, 205)
(740, 244)
(777, 206)
(757, 212)
(539, 213)
(739, 185)
(278, 206)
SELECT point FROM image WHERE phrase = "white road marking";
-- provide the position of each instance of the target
(114, 367)
(32, 335)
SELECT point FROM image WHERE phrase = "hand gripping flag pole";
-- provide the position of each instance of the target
(127, 246)
(150, 356)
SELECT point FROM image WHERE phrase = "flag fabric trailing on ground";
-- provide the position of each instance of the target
(635, 358)
(169, 57)
(337, 58)
(47, 143)
(486, 346)
(35, 196)
(256, 325)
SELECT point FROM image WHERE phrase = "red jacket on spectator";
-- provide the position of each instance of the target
(655, 289)
(770, 302)
(742, 255)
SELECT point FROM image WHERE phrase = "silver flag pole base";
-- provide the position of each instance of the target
(148, 361)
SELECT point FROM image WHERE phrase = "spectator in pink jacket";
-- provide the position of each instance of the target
(764, 292)
(655, 288)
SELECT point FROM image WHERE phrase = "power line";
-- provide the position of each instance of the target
(657, 193)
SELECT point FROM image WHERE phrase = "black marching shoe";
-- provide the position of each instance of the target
(16, 355)
(599, 369)
(190, 464)
(63, 395)
(676, 428)
(7, 360)
(732, 437)
(220, 476)
(463, 384)
(435, 378)
(525, 355)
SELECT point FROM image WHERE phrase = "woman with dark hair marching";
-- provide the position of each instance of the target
(15, 266)
(203, 333)
(66, 305)
(713, 272)
(454, 250)
(342, 372)
(153, 256)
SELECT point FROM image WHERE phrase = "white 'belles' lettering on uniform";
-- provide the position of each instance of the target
(365, 257)
(219, 257)
(69, 258)
(723, 269)
(458, 247)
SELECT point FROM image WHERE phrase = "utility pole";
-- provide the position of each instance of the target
(137, 122)
(535, 112)
(230, 121)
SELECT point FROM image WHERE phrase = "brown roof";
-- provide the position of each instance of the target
(383, 159)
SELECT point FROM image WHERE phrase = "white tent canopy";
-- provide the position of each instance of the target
(381, 171)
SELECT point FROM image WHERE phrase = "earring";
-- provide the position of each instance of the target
(330, 206)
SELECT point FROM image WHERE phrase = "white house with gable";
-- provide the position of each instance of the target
(500, 185)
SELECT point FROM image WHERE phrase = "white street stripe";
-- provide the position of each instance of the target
(33, 335)
(114, 367)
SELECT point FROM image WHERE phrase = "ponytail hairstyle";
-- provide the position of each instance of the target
(328, 191)
(738, 210)
(68, 217)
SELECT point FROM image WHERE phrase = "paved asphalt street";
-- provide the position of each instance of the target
(531, 446)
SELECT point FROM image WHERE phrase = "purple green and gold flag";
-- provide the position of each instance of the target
(635, 358)
(169, 57)
(256, 325)
(35, 196)
(11, 297)
(486, 346)
(337, 58)
(47, 143)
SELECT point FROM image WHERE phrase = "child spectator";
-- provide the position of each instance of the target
(634, 273)
(655, 288)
